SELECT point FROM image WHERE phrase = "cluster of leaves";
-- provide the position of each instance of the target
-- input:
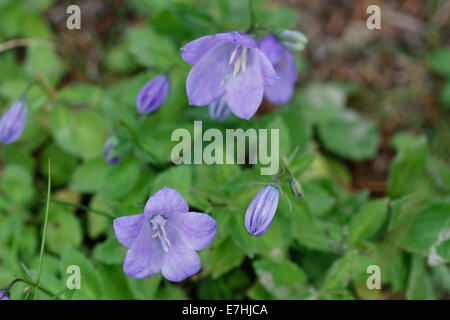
(319, 249)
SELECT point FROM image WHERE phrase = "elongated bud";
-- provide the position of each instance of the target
(152, 94)
(292, 39)
(296, 188)
(219, 110)
(13, 121)
(261, 210)
(111, 153)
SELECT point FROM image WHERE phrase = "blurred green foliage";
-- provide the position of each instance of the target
(319, 249)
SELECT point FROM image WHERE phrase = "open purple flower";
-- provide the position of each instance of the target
(230, 65)
(5, 297)
(13, 121)
(164, 238)
(284, 64)
(152, 94)
(261, 210)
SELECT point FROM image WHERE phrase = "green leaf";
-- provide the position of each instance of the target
(91, 285)
(439, 62)
(178, 178)
(89, 176)
(225, 257)
(63, 228)
(350, 136)
(63, 164)
(408, 164)
(419, 283)
(110, 251)
(16, 184)
(120, 179)
(42, 61)
(282, 279)
(144, 289)
(368, 220)
(79, 93)
(240, 235)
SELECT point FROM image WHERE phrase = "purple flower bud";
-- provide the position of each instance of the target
(109, 156)
(3, 296)
(13, 122)
(261, 210)
(219, 109)
(152, 94)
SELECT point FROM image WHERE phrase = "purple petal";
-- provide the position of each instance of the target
(196, 229)
(245, 90)
(272, 48)
(219, 110)
(13, 122)
(180, 262)
(5, 297)
(282, 90)
(145, 256)
(204, 82)
(127, 228)
(195, 50)
(240, 38)
(269, 75)
(166, 201)
(152, 94)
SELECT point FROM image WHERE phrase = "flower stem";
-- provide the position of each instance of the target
(80, 206)
(41, 257)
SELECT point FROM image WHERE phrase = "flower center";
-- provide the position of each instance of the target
(158, 222)
(237, 62)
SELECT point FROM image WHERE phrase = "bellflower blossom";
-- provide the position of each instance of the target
(13, 121)
(165, 238)
(228, 65)
(261, 210)
(152, 94)
(284, 64)
(219, 109)
(5, 297)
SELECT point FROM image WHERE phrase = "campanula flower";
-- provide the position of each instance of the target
(110, 154)
(165, 238)
(231, 65)
(219, 110)
(152, 94)
(5, 297)
(261, 210)
(13, 121)
(284, 64)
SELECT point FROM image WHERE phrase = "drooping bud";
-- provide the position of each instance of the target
(296, 188)
(110, 152)
(152, 94)
(219, 109)
(261, 210)
(13, 121)
(292, 39)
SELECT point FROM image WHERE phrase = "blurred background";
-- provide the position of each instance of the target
(370, 115)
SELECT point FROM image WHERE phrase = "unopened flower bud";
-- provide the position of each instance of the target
(261, 210)
(296, 188)
(292, 39)
(13, 121)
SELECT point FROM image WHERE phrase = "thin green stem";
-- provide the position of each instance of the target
(137, 142)
(252, 14)
(44, 232)
(80, 206)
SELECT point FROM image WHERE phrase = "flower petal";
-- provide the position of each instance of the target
(272, 48)
(180, 262)
(145, 256)
(127, 228)
(204, 82)
(241, 38)
(196, 229)
(195, 50)
(166, 201)
(245, 90)
(269, 75)
(282, 90)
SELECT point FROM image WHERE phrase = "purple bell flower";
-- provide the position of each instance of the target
(152, 94)
(5, 297)
(165, 238)
(13, 121)
(219, 109)
(261, 210)
(284, 64)
(230, 65)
